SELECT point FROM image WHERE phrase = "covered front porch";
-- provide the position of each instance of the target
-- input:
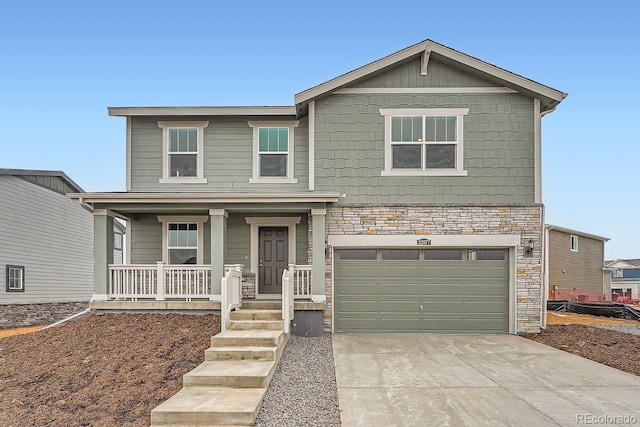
(179, 247)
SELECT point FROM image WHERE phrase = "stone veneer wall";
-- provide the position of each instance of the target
(20, 315)
(452, 220)
(248, 286)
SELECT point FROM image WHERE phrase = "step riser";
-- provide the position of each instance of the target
(262, 305)
(213, 354)
(245, 342)
(255, 325)
(203, 418)
(227, 381)
(256, 315)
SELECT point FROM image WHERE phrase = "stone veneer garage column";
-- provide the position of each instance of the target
(318, 255)
(218, 239)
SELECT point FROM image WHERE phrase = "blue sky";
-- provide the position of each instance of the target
(63, 63)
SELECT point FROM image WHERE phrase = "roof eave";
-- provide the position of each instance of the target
(576, 232)
(311, 197)
(203, 111)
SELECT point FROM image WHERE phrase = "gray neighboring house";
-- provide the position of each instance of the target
(46, 245)
(405, 196)
(625, 279)
(575, 265)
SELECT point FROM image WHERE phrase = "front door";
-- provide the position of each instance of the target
(274, 258)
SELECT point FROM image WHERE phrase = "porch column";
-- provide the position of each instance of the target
(318, 292)
(218, 239)
(102, 253)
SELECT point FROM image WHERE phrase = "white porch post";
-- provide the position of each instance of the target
(218, 239)
(160, 276)
(318, 292)
(102, 253)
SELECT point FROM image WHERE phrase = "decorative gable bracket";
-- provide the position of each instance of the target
(425, 59)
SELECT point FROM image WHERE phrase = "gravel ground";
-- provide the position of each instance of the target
(627, 329)
(303, 390)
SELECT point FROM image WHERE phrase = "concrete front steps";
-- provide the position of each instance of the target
(228, 387)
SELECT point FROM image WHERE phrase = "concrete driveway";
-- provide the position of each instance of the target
(476, 380)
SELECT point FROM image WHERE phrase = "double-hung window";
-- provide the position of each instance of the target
(15, 278)
(273, 158)
(424, 141)
(183, 146)
(182, 239)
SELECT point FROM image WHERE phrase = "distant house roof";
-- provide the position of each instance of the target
(575, 232)
(53, 180)
(623, 263)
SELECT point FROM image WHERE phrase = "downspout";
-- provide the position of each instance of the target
(68, 318)
(85, 205)
(545, 273)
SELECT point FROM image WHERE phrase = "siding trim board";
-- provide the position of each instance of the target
(423, 90)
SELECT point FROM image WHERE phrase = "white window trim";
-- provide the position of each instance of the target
(166, 170)
(166, 220)
(430, 112)
(571, 240)
(290, 178)
(255, 223)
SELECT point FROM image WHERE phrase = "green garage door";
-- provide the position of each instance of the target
(421, 290)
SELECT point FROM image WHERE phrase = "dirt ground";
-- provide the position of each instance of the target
(99, 370)
(113, 369)
(576, 334)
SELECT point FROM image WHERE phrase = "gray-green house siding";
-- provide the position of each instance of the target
(228, 155)
(498, 143)
(51, 237)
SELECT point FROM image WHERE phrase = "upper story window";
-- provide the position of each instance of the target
(182, 239)
(273, 157)
(424, 141)
(617, 273)
(15, 278)
(183, 152)
(574, 243)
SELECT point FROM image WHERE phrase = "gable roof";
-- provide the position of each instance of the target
(624, 263)
(549, 97)
(575, 232)
(56, 181)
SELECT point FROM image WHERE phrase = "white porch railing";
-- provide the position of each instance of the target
(231, 294)
(287, 300)
(159, 282)
(301, 275)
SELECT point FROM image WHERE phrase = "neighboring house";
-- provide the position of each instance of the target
(46, 241)
(575, 262)
(625, 279)
(405, 194)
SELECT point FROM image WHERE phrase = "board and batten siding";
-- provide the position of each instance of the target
(582, 269)
(51, 237)
(498, 143)
(228, 155)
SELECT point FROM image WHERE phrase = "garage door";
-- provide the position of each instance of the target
(421, 290)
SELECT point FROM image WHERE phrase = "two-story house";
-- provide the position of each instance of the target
(625, 279)
(405, 195)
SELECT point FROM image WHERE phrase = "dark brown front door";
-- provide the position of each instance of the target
(274, 258)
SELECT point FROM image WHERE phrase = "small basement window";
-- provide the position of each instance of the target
(15, 278)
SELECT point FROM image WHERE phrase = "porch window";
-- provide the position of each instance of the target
(15, 278)
(424, 141)
(117, 241)
(273, 159)
(183, 239)
(183, 243)
(183, 146)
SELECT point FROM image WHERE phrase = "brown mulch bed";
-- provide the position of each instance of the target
(612, 348)
(99, 370)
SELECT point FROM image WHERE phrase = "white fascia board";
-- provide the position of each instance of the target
(411, 240)
(202, 111)
(315, 197)
(575, 232)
